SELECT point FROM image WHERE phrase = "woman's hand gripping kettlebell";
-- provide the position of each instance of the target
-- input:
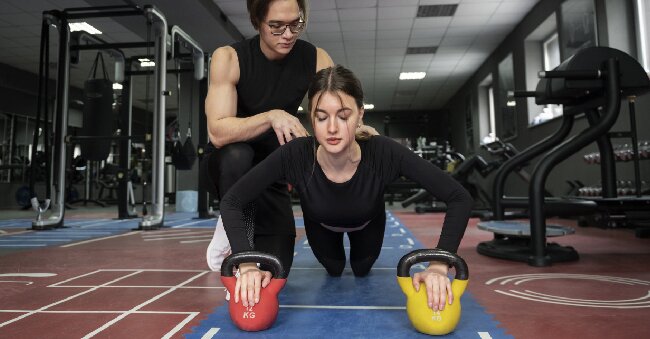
(437, 284)
(249, 283)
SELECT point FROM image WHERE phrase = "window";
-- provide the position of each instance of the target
(551, 52)
(486, 109)
(542, 52)
(552, 59)
(643, 41)
(492, 133)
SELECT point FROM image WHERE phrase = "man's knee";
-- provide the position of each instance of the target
(234, 160)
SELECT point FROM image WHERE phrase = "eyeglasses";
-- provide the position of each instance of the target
(294, 27)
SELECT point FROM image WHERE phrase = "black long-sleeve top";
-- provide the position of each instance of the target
(350, 204)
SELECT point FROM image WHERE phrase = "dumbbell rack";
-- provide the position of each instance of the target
(618, 211)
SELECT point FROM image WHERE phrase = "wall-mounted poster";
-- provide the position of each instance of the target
(507, 109)
(577, 26)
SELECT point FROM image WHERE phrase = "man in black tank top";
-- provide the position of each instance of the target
(256, 86)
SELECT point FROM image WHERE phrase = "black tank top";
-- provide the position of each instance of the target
(268, 84)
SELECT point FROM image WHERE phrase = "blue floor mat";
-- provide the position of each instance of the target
(314, 305)
(83, 229)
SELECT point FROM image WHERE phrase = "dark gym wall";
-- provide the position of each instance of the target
(615, 20)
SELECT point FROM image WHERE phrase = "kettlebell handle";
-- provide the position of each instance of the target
(253, 256)
(422, 255)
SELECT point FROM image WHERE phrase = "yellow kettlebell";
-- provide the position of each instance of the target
(423, 318)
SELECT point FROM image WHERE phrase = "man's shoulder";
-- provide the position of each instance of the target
(303, 45)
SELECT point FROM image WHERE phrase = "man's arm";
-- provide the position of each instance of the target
(221, 102)
(221, 107)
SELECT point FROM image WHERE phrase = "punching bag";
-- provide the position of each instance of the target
(98, 119)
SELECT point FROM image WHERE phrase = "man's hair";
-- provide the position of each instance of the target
(258, 9)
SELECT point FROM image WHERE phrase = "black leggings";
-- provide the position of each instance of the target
(365, 246)
(275, 230)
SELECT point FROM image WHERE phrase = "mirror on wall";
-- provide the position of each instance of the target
(507, 105)
(577, 26)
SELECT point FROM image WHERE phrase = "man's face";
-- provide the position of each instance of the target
(281, 28)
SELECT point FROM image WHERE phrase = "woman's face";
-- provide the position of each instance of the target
(335, 120)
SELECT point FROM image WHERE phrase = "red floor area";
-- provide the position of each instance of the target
(131, 286)
(121, 288)
(609, 253)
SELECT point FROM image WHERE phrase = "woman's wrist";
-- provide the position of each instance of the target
(438, 267)
(244, 267)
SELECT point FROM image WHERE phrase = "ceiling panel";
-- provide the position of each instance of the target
(372, 34)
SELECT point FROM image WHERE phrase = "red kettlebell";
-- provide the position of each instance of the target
(263, 314)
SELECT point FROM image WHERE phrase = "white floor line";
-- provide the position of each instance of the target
(121, 270)
(147, 286)
(25, 245)
(102, 223)
(77, 222)
(191, 223)
(148, 270)
(7, 234)
(165, 231)
(173, 233)
(343, 307)
(28, 275)
(484, 335)
(74, 278)
(177, 220)
(348, 247)
(101, 239)
(210, 333)
(36, 240)
(64, 300)
(180, 237)
(94, 312)
(347, 268)
(136, 308)
(180, 325)
(54, 235)
(194, 241)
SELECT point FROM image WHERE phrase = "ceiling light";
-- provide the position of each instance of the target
(368, 106)
(117, 86)
(427, 11)
(83, 26)
(412, 75)
(511, 103)
(421, 50)
(144, 62)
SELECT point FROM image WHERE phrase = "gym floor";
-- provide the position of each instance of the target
(99, 278)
